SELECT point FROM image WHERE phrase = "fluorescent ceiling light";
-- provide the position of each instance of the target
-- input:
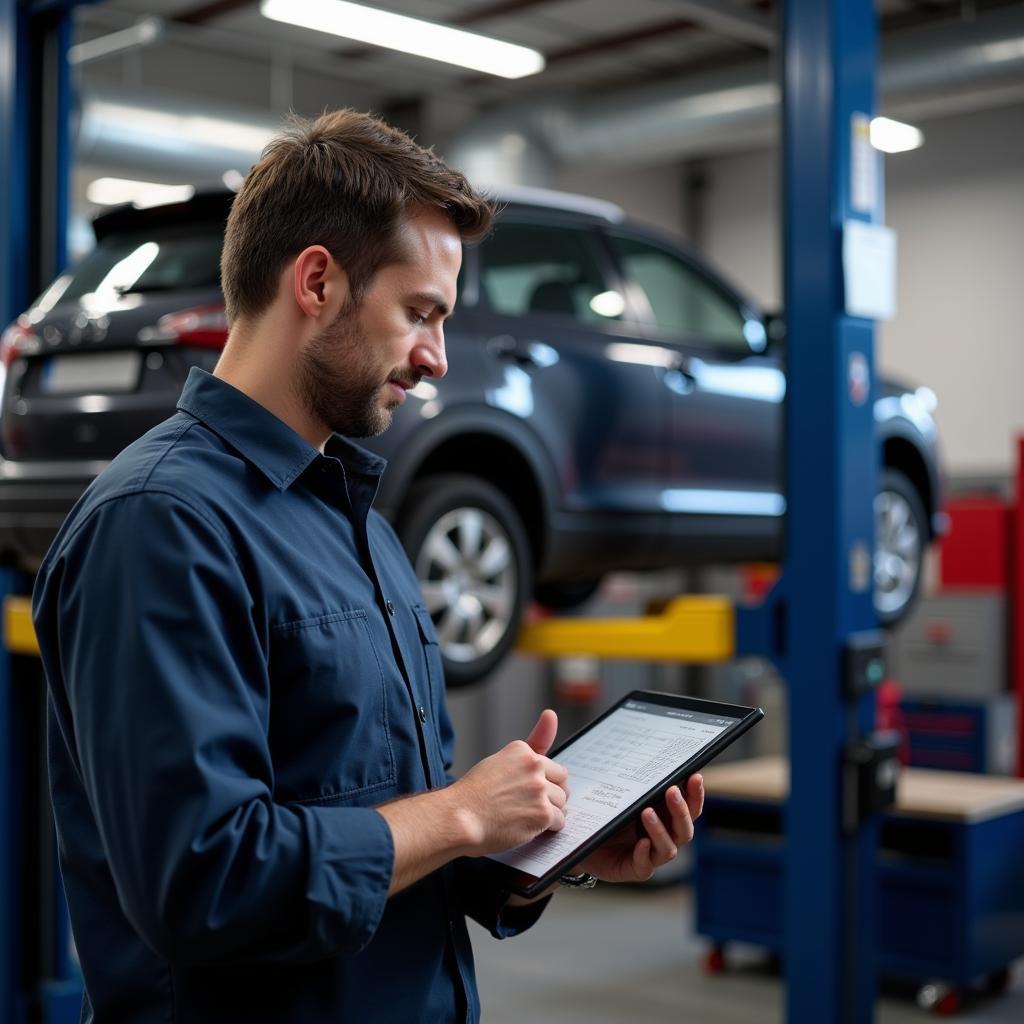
(112, 191)
(142, 33)
(408, 35)
(894, 136)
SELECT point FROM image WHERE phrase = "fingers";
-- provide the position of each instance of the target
(663, 845)
(557, 795)
(557, 774)
(643, 866)
(543, 733)
(695, 796)
(680, 822)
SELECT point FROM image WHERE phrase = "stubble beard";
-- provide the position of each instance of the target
(336, 384)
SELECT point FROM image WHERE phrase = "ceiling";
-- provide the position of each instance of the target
(226, 50)
(616, 73)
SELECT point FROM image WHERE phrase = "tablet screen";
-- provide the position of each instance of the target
(611, 766)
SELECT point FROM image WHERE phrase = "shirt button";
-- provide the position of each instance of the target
(422, 713)
(390, 607)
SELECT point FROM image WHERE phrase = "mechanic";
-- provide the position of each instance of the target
(249, 747)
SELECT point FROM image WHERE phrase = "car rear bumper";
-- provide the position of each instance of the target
(34, 501)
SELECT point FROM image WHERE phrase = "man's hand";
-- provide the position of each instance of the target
(515, 794)
(502, 802)
(627, 858)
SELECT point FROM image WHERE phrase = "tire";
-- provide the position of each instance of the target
(901, 537)
(471, 554)
(565, 595)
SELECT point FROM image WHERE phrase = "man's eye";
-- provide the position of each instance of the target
(417, 317)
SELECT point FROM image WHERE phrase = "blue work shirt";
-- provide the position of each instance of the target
(240, 668)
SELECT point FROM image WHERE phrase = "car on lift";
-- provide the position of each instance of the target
(612, 404)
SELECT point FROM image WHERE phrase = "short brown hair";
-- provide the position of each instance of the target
(343, 181)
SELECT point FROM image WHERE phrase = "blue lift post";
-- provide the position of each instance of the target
(35, 142)
(829, 64)
(13, 231)
(35, 126)
(825, 595)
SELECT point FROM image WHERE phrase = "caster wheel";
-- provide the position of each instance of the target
(939, 998)
(998, 981)
(714, 961)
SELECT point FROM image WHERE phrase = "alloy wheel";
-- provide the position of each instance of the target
(898, 552)
(467, 573)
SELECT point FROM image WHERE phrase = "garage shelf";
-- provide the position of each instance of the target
(950, 892)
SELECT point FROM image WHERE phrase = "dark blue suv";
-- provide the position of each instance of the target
(611, 404)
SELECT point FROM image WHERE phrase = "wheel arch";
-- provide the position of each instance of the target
(900, 453)
(507, 457)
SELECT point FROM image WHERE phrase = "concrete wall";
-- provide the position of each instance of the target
(957, 205)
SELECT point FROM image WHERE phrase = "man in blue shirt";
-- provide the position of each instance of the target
(249, 746)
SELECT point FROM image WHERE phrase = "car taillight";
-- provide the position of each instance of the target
(205, 326)
(18, 340)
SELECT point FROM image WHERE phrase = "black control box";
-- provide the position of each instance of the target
(871, 772)
(864, 668)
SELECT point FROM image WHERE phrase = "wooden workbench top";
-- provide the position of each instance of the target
(923, 793)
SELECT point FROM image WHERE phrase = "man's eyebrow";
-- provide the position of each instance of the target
(434, 299)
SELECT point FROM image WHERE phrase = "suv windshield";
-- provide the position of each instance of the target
(169, 259)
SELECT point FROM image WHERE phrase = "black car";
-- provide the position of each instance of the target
(611, 404)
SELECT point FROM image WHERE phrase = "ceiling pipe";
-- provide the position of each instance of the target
(716, 112)
(738, 108)
(165, 139)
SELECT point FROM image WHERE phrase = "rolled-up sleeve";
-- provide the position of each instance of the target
(156, 660)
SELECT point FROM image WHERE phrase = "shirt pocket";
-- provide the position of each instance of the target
(431, 651)
(330, 738)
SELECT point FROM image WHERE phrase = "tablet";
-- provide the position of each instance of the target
(621, 763)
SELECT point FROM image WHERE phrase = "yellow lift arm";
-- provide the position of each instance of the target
(693, 629)
(690, 629)
(19, 633)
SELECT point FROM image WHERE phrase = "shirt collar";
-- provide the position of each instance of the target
(260, 437)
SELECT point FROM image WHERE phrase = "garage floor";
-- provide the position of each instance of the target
(620, 954)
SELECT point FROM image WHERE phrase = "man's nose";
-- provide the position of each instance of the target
(429, 357)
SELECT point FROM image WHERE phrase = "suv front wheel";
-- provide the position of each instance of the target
(901, 536)
(471, 554)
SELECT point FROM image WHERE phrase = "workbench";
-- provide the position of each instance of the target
(950, 872)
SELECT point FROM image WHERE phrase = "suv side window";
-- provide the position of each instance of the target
(164, 260)
(528, 269)
(682, 301)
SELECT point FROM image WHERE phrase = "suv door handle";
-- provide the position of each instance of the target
(504, 346)
(680, 378)
(682, 367)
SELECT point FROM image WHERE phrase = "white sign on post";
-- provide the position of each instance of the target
(869, 270)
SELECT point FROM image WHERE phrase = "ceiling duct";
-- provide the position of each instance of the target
(161, 136)
(942, 68)
(947, 67)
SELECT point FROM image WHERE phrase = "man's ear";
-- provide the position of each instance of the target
(319, 285)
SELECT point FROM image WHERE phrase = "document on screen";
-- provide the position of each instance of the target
(611, 766)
